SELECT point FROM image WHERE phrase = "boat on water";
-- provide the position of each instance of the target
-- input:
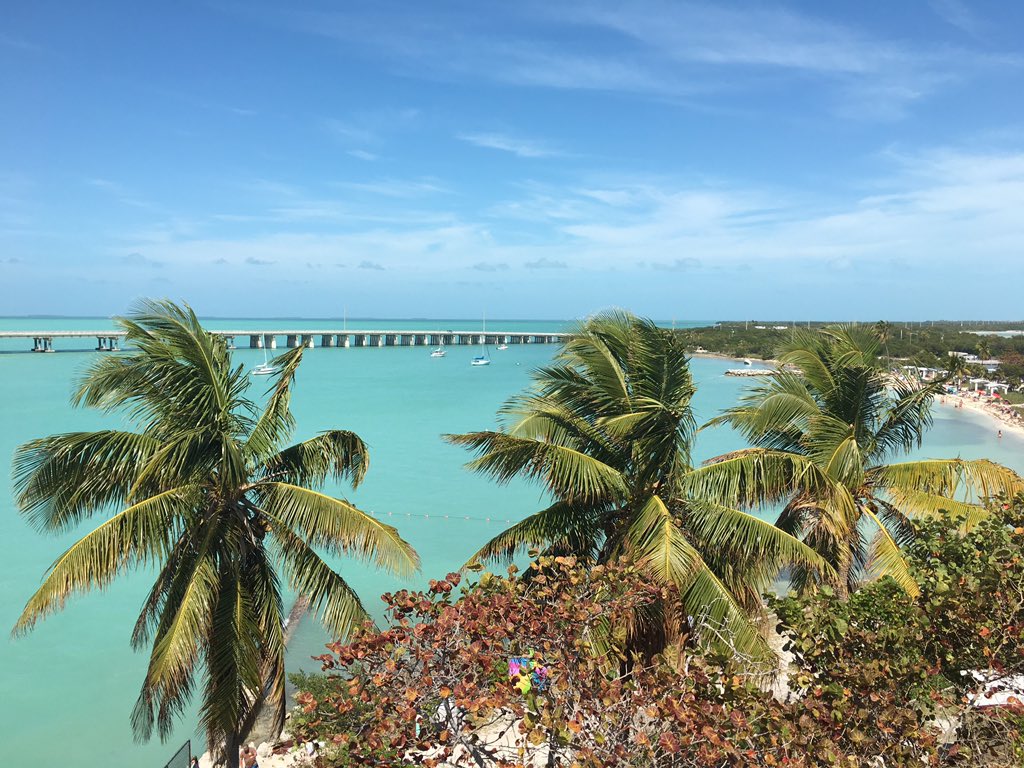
(482, 359)
(747, 362)
(502, 347)
(265, 368)
(439, 351)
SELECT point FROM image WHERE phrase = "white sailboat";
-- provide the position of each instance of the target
(482, 359)
(439, 351)
(265, 368)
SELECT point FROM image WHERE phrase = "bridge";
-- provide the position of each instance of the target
(110, 341)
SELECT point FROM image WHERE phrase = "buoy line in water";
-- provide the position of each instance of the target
(448, 517)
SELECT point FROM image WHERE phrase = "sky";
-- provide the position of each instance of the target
(535, 159)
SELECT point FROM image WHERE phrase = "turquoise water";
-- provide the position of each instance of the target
(75, 679)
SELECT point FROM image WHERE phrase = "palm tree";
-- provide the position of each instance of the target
(836, 408)
(883, 330)
(608, 430)
(205, 493)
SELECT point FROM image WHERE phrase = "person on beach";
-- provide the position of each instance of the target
(247, 757)
(194, 763)
(1000, 433)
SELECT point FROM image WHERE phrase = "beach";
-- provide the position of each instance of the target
(1003, 417)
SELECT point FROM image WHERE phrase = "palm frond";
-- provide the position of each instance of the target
(337, 605)
(177, 647)
(755, 477)
(276, 422)
(886, 558)
(336, 454)
(972, 478)
(233, 657)
(62, 480)
(920, 504)
(567, 473)
(562, 524)
(661, 546)
(337, 526)
(739, 536)
(141, 534)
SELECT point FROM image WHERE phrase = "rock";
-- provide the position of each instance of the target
(264, 750)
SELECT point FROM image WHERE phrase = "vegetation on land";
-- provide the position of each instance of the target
(608, 430)
(881, 678)
(836, 407)
(205, 492)
(924, 344)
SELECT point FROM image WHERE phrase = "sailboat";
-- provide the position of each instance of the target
(265, 368)
(482, 359)
(439, 352)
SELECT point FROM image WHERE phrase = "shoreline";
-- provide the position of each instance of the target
(705, 355)
(1003, 422)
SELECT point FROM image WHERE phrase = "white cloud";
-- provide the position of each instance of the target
(959, 14)
(938, 207)
(505, 143)
(666, 48)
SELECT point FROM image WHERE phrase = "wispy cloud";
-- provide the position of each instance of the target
(960, 15)
(943, 206)
(136, 259)
(665, 49)
(20, 44)
(505, 143)
(679, 265)
(545, 263)
(362, 154)
(395, 187)
(490, 266)
(346, 131)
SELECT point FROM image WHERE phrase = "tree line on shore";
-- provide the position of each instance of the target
(922, 344)
(671, 557)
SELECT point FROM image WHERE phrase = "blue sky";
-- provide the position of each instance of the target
(529, 159)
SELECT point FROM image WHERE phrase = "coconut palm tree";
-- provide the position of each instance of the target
(835, 406)
(608, 430)
(203, 491)
(883, 330)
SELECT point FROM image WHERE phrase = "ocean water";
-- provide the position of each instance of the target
(72, 682)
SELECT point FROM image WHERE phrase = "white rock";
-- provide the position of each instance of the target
(264, 750)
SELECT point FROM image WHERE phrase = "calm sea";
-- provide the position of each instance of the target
(69, 686)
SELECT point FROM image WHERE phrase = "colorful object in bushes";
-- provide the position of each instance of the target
(530, 674)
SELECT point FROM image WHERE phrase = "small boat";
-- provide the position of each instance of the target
(438, 353)
(747, 362)
(502, 347)
(265, 368)
(482, 359)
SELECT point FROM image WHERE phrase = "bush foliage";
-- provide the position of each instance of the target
(880, 679)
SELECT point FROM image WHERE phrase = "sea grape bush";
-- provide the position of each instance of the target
(880, 679)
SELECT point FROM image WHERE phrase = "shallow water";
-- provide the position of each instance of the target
(74, 678)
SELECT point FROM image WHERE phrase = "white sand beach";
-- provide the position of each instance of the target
(1004, 417)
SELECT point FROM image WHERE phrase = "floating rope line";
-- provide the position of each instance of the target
(449, 517)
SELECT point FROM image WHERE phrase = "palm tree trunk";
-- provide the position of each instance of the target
(232, 745)
(843, 569)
